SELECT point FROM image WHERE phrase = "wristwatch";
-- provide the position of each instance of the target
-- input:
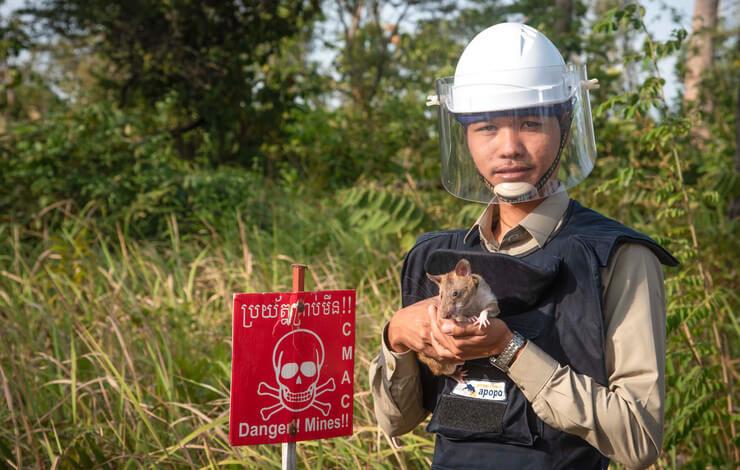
(503, 360)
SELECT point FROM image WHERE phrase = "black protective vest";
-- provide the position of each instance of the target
(553, 297)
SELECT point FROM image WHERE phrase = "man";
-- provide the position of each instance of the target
(571, 375)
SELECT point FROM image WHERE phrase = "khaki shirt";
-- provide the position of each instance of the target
(623, 420)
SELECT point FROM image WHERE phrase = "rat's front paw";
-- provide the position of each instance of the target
(460, 374)
(482, 320)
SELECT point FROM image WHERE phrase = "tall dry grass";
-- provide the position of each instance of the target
(116, 353)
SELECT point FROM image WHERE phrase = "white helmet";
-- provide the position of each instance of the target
(515, 71)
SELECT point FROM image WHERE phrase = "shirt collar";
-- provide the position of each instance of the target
(540, 223)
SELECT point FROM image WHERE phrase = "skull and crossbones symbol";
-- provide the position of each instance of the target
(297, 378)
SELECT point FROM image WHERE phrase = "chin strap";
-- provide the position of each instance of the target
(565, 122)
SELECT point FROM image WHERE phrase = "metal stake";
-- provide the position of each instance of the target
(289, 455)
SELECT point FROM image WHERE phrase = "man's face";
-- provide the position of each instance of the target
(514, 148)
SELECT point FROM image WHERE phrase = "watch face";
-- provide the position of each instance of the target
(496, 362)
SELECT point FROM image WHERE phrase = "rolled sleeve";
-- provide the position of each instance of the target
(396, 387)
(532, 369)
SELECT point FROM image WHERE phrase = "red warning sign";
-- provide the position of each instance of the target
(292, 370)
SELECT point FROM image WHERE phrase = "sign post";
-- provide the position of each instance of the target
(299, 274)
(292, 374)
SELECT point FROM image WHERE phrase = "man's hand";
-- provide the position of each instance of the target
(463, 342)
(411, 328)
(419, 328)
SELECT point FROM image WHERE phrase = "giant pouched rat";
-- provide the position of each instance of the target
(463, 297)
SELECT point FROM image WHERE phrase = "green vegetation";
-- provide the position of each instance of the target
(147, 177)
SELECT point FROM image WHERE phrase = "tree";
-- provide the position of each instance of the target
(699, 58)
(12, 41)
(701, 47)
(215, 63)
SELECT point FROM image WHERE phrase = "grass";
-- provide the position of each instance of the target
(116, 351)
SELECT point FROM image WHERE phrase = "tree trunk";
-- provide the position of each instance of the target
(699, 59)
(565, 16)
(734, 210)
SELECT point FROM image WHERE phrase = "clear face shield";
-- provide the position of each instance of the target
(517, 135)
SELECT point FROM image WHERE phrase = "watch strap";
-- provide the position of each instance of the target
(503, 360)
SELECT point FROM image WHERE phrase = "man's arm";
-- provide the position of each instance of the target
(396, 389)
(624, 420)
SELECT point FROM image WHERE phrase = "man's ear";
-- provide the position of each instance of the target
(462, 268)
(435, 278)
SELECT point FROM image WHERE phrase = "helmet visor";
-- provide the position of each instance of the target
(517, 143)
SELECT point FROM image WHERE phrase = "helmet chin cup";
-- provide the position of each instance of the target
(515, 192)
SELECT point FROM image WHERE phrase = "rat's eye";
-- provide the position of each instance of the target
(455, 294)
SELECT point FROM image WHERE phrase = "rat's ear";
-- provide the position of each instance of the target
(462, 268)
(435, 278)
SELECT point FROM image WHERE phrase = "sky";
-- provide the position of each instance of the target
(659, 22)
